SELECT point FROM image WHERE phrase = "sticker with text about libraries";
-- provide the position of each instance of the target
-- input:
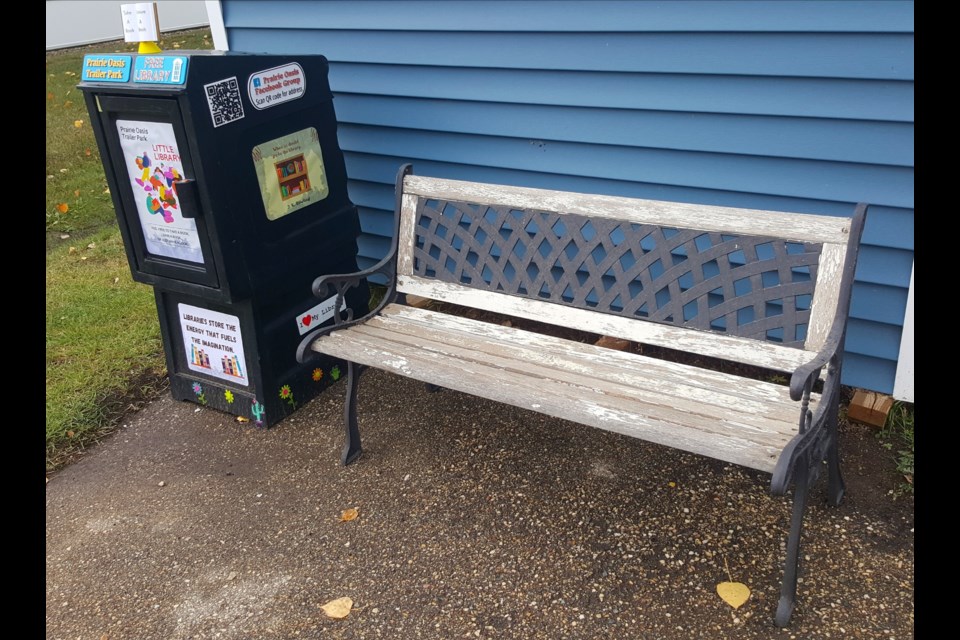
(213, 343)
(316, 316)
(275, 86)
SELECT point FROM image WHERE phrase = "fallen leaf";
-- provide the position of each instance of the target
(49, 95)
(78, 123)
(671, 484)
(733, 593)
(242, 419)
(176, 45)
(87, 152)
(107, 190)
(92, 245)
(116, 280)
(83, 257)
(76, 193)
(73, 250)
(339, 608)
(70, 434)
(64, 170)
(64, 236)
(68, 103)
(348, 515)
(62, 207)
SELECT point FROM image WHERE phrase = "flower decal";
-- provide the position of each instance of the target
(198, 391)
(287, 396)
(228, 395)
(317, 375)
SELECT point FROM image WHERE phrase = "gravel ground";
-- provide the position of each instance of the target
(476, 520)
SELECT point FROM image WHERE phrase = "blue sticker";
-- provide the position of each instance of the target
(160, 69)
(106, 68)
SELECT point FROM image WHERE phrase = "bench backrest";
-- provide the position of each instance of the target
(711, 280)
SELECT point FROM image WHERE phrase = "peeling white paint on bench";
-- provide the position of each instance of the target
(791, 226)
(716, 345)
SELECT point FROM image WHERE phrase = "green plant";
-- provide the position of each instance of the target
(897, 437)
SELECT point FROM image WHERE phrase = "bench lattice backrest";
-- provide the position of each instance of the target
(691, 268)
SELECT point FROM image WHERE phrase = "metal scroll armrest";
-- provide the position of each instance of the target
(813, 433)
(343, 282)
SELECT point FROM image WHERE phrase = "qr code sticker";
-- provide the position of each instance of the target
(224, 100)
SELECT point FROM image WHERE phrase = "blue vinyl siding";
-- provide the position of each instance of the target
(795, 106)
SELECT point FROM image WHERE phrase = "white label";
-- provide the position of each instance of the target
(213, 343)
(152, 163)
(277, 85)
(316, 316)
(140, 23)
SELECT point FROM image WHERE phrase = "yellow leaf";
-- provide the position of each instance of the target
(83, 258)
(107, 191)
(78, 123)
(68, 103)
(73, 250)
(62, 207)
(671, 484)
(339, 608)
(348, 515)
(733, 593)
(242, 419)
(176, 45)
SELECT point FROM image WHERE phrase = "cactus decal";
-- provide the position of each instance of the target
(335, 373)
(257, 410)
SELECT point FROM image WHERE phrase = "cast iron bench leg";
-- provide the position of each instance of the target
(788, 591)
(351, 448)
(835, 484)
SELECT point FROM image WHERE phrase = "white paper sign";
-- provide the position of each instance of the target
(140, 22)
(316, 316)
(275, 86)
(213, 343)
(152, 163)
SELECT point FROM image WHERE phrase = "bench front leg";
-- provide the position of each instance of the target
(351, 447)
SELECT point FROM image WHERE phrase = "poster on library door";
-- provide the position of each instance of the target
(291, 173)
(152, 163)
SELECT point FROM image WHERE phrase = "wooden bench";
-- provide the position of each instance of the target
(761, 288)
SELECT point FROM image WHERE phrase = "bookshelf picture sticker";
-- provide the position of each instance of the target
(275, 86)
(290, 172)
(153, 164)
(213, 343)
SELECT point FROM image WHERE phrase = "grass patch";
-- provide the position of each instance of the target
(104, 354)
(897, 437)
(103, 340)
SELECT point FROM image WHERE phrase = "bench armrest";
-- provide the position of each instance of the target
(343, 282)
(806, 374)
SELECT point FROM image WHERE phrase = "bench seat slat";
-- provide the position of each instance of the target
(519, 377)
(744, 350)
(676, 380)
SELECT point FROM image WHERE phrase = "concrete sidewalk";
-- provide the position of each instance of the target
(476, 520)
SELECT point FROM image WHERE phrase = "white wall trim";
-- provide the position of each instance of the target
(903, 383)
(217, 27)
